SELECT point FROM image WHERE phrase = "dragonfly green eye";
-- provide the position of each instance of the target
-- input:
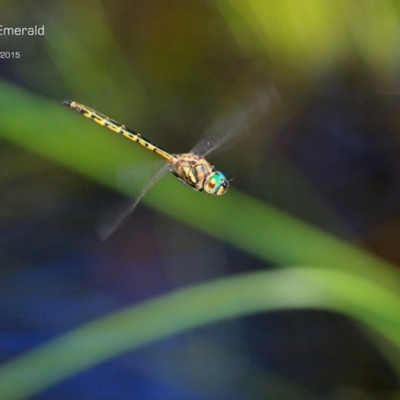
(216, 184)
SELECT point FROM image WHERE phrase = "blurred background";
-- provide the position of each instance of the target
(325, 150)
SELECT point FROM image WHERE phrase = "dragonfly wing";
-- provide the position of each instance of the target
(133, 178)
(238, 121)
(115, 219)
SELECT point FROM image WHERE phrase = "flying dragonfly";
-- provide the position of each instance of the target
(191, 169)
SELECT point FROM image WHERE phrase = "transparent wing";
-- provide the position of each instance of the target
(238, 121)
(117, 217)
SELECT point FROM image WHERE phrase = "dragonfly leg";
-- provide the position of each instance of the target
(187, 184)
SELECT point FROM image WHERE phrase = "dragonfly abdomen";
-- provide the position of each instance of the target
(117, 127)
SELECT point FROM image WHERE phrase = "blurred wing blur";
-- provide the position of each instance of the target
(120, 214)
(239, 120)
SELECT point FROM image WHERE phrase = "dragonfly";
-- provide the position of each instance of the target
(191, 169)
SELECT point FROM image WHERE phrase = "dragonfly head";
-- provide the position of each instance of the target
(216, 184)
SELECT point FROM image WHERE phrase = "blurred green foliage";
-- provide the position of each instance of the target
(192, 307)
(316, 36)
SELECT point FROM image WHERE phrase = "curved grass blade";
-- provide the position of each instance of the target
(219, 300)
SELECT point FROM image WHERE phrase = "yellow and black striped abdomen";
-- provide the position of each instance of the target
(119, 128)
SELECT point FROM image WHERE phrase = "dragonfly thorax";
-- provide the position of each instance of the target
(196, 172)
